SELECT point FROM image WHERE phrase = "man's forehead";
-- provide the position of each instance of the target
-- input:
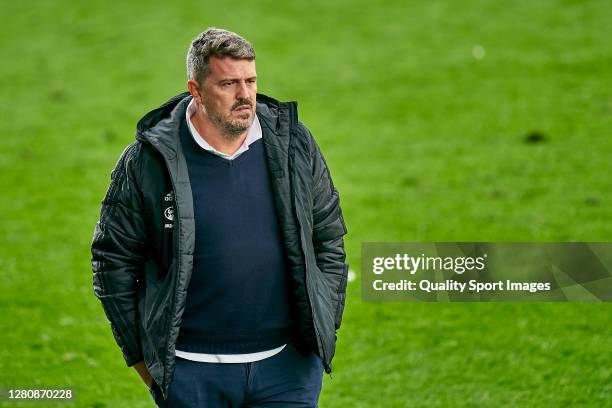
(231, 67)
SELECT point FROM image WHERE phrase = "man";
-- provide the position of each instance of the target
(219, 256)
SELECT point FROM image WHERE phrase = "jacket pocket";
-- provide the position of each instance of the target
(341, 297)
(324, 311)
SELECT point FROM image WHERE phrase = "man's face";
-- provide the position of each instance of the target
(228, 94)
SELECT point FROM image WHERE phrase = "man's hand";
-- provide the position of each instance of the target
(144, 373)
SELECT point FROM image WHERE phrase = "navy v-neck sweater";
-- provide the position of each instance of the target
(237, 299)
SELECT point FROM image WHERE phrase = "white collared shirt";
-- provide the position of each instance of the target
(253, 135)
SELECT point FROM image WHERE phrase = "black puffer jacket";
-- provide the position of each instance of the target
(144, 241)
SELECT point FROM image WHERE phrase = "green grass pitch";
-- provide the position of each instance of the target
(441, 121)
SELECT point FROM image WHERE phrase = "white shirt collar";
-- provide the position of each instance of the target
(253, 135)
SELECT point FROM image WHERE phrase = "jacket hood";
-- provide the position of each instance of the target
(161, 125)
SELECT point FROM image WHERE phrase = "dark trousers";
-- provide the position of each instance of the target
(287, 379)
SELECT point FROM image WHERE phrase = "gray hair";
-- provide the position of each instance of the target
(218, 43)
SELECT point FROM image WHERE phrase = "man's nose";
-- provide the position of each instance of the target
(243, 90)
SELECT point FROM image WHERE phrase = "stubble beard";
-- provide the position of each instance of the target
(230, 129)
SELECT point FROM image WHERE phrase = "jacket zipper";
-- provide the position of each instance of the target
(178, 249)
(314, 324)
(302, 241)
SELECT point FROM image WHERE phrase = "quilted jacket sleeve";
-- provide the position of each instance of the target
(328, 232)
(118, 249)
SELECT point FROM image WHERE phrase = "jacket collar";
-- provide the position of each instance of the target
(161, 126)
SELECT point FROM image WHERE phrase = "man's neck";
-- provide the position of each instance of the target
(214, 136)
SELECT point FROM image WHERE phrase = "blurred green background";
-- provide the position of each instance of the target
(441, 121)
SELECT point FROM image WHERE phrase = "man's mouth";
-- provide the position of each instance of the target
(243, 107)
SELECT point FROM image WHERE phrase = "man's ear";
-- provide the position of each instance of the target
(194, 90)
